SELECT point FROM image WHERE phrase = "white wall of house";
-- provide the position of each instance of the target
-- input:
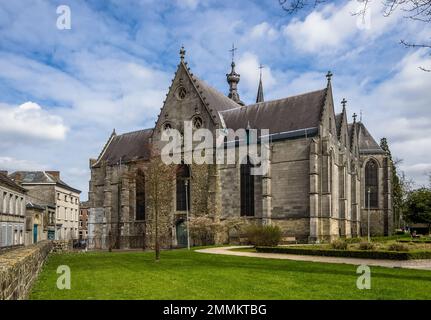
(12, 217)
(67, 213)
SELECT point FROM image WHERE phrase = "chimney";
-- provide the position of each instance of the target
(55, 174)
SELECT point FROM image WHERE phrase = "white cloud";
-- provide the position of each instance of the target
(263, 30)
(12, 164)
(248, 67)
(30, 120)
(333, 27)
(189, 4)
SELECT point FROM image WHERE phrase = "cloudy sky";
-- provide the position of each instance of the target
(63, 91)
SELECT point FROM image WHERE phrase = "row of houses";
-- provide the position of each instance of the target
(36, 206)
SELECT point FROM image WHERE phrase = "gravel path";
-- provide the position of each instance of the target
(410, 264)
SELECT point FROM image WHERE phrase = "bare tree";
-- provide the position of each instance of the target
(418, 10)
(159, 182)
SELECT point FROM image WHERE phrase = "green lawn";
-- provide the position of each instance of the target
(190, 275)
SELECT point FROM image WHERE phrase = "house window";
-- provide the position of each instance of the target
(247, 189)
(371, 184)
(183, 191)
(140, 195)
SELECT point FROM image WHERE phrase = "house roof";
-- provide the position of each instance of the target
(8, 182)
(39, 177)
(31, 205)
(283, 115)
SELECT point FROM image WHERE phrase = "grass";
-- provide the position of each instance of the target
(191, 275)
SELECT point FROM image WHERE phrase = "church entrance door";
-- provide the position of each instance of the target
(181, 231)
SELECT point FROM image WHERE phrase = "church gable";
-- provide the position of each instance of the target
(328, 124)
(191, 99)
(342, 127)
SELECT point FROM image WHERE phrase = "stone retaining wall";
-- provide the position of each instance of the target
(62, 246)
(19, 268)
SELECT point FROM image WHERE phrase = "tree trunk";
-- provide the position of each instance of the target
(157, 244)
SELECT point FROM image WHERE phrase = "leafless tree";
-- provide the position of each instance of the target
(159, 182)
(418, 10)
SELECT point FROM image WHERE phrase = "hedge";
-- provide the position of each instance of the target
(414, 241)
(386, 255)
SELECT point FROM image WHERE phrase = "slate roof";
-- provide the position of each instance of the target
(9, 183)
(214, 98)
(127, 147)
(283, 115)
(367, 144)
(31, 205)
(39, 177)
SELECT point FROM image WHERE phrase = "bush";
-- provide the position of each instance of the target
(399, 232)
(339, 245)
(398, 247)
(367, 246)
(202, 230)
(263, 235)
(353, 240)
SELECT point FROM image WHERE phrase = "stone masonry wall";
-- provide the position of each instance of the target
(19, 268)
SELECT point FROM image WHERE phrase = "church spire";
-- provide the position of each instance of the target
(233, 79)
(259, 97)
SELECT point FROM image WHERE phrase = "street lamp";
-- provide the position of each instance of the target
(369, 192)
(186, 182)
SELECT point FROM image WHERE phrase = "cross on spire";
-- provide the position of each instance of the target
(354, 117)
(344, 102)
(233, 51)
(329, 75)
(261, 66)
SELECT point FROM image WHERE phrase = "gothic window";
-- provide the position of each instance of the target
(183, 188)
(197, 122)
(371, 183)
(140, 195)
(247, 189)
(181, 93)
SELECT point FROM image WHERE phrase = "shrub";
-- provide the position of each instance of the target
(353, 240)
(367, 246)
(398, 247)
(265, 236)
(339, 245)
(399, 232)
(202, 230)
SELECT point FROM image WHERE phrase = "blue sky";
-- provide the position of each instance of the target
(63, 91)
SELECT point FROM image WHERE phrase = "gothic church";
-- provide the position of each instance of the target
(325, 175)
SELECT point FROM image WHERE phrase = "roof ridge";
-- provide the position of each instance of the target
(135, 131)
(281, 99)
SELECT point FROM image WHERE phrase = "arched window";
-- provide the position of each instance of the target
(140, 195)
(371, 183)
(183, 191)
(247, 189)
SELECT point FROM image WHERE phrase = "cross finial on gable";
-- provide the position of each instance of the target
(354, 117)
(344, 102)
(182, 53)
(329, 75)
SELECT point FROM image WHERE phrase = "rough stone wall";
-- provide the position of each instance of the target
(19, 268)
